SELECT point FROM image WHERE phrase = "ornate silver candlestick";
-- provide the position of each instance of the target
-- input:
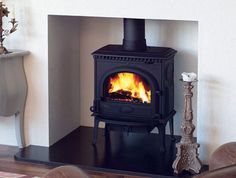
(3, 33)
(187, 148)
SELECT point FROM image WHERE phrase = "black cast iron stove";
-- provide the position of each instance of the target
(134, 86)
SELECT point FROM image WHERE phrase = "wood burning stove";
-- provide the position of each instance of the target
(134, 86)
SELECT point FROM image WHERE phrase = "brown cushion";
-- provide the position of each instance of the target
(223, 156)
(66, 172)
(226, 172)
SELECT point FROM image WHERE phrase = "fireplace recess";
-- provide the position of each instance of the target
(144, 97)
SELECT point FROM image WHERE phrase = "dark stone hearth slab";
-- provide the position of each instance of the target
(133, 153)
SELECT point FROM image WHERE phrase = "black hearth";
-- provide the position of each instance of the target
(134, 85)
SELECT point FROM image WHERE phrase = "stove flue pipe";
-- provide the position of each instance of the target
(134, 35)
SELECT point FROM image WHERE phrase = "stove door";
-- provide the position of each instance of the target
(128, 94)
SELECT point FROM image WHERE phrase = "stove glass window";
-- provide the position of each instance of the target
(127, 87)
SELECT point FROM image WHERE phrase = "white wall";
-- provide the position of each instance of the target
(31, 35)
(216, 57)
(63, 76)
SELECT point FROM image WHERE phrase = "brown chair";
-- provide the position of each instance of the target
(222, 162)
(66, 172)
(225, 172)
(223, 156)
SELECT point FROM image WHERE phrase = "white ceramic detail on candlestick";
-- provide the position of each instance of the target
(189, 77)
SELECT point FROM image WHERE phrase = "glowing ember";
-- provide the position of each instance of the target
(127, 86)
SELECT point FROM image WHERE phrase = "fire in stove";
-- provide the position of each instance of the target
(128, 87)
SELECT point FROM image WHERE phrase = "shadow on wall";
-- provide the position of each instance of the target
(187, 62)
(213, 92)
(182, 36)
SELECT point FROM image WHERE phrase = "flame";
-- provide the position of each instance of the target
(131, 83)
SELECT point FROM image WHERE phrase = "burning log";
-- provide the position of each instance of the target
(122, 95)
(125, 85)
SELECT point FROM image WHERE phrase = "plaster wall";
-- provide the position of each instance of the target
(63, 76)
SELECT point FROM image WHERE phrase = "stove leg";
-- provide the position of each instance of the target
(171, 125)
(107, 130)
(162, 133)
(95, 130)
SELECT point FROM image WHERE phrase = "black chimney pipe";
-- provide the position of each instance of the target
(134, 35)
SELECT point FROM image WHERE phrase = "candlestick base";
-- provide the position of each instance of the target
(187, 158)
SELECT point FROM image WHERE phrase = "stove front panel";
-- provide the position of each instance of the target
(153, 74)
